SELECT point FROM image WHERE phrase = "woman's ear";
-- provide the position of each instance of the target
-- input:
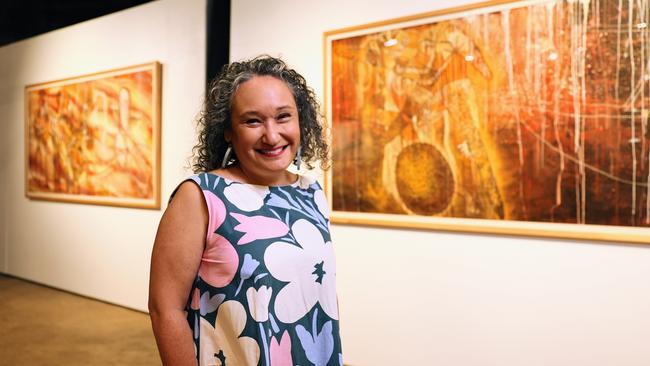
(227, 135)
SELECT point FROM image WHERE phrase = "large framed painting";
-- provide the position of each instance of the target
(515, 117)
(95, 138)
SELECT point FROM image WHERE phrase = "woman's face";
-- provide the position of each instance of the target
(265, 131)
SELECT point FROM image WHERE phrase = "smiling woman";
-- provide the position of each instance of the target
(264, 132)
(216, 119)
(243, 269)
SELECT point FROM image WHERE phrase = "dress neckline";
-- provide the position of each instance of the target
(300, 182)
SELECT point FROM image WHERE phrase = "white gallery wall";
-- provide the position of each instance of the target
(411, 297)
(407, 297)
(98, 251)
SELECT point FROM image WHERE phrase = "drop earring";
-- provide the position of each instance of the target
(298, 159)
(226, 157)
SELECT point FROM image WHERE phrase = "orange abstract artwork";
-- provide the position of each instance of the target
(95, 139)
(534, 111)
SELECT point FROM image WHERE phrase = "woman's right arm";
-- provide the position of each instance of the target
(175, 261)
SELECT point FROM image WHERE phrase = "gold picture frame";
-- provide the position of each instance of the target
(504, 117)
(95, 139)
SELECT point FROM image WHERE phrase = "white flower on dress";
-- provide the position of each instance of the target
(222, 345)
(258, 302)
(309, 269)
(321, 203)
(246, 197)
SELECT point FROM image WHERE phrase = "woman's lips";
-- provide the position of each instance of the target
(272, 152)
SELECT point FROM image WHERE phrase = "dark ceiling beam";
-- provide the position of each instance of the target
(21, 19)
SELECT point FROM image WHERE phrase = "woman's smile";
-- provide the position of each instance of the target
(273, 152)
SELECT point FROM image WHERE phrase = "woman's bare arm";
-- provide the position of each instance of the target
(175, 261)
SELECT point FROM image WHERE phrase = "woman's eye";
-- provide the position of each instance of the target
(251, 121)
(284, 116)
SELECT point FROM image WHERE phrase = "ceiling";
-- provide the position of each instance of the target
(21, 19)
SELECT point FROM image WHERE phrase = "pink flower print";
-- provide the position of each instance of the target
(219, 262)
(220, 259)
(281, 352)
(217, 211)
(258, 227)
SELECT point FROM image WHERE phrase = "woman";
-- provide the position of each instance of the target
(243, 270)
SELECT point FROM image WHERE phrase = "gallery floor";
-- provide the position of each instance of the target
(43, 326)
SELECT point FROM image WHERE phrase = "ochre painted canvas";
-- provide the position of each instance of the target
(527, 111)
(95, 139)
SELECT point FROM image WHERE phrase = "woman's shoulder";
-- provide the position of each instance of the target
(205, 181)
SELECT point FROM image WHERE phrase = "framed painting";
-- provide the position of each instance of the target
(511, 117)
(95, 138)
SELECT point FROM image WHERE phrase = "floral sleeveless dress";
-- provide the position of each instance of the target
(265, 292)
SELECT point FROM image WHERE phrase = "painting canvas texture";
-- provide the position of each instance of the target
(533, 111)
(95, 139)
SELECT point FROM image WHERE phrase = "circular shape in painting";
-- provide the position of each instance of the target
(424, 179)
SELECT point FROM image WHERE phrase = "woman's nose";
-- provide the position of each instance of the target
(271, 133)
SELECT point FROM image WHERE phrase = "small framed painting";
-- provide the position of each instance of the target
(95, 138)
